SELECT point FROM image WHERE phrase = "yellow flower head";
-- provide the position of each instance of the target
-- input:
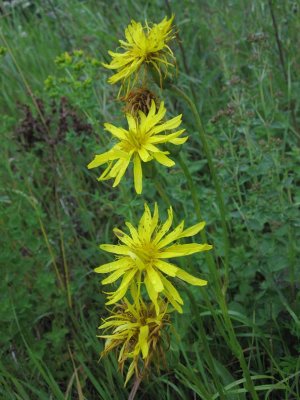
(144, 45)
(139, 143)
(137, 330)
(143, 257)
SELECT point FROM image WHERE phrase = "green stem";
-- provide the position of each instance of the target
(220, 200)
(209, 258)
(230, 337)
(206, 348)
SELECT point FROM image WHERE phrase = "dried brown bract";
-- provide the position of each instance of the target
(139, 100)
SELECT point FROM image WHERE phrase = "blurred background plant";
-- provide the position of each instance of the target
(240, 62)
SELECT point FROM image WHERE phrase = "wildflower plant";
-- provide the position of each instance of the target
(142, 256)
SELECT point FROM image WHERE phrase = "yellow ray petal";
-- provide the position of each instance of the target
(130, 372)
(122, 170)
(165, 138)
(121, 291)
(178, 141)
(163, 159)
(132, 123)
(171, 289)
(179, 250)
(133, 232)
(123, 237)
(165, 228)
(172, 295)
(185, 276)
(193, 230)
(144, 228)
(106, 173)
(101, 159)
(120, 133)
(117, 249)
(110, 155)
(114, 276)
(172, 236)
(138, 175)
(168, 125)
(135, 291)
(166, 267)
(153, 295)
(155, 279)
(143, 340)
(154, 218)
(144, 154)
(116, 168)
(152, 119)
(112, 266)
(151, 148)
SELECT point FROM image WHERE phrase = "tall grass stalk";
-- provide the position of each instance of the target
(233, 341)
(221, 204)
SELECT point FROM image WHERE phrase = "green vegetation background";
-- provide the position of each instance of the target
(54, 213)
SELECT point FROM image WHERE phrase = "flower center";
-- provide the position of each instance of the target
(136, 140)
(146, 253)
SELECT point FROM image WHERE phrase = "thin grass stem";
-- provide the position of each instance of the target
(220, 200)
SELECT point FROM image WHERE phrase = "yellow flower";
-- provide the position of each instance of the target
(138, 331)
(143, 257)
(144, 45)
(139, 143)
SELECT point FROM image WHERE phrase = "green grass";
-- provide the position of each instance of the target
(54, 213)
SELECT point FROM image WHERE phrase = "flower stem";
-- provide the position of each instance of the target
(135, 387)
(209, 258)
(230, 335)
(220, 200)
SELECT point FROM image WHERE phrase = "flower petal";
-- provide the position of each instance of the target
(144, 228)
(172, 295)
(138, 175)
(163, 159)
(154, 218)
(179, 250)
(100, 159)
(178, 141)
(130, 372)
(155, 279)
(185, 276)
(132, 123)
(166, 267)
(122, 169)
(144, 155)
(112, 154)
(172, 236)
(133, 232)
(165, 228)
(142, 341)
(117, 249)
(119, 133)
(152, 293)
(152, 119)
(165, 138)
(122, 289)
(193, 230)
(168, 125)
(112, 266)
(123, 237)
(114, 276)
